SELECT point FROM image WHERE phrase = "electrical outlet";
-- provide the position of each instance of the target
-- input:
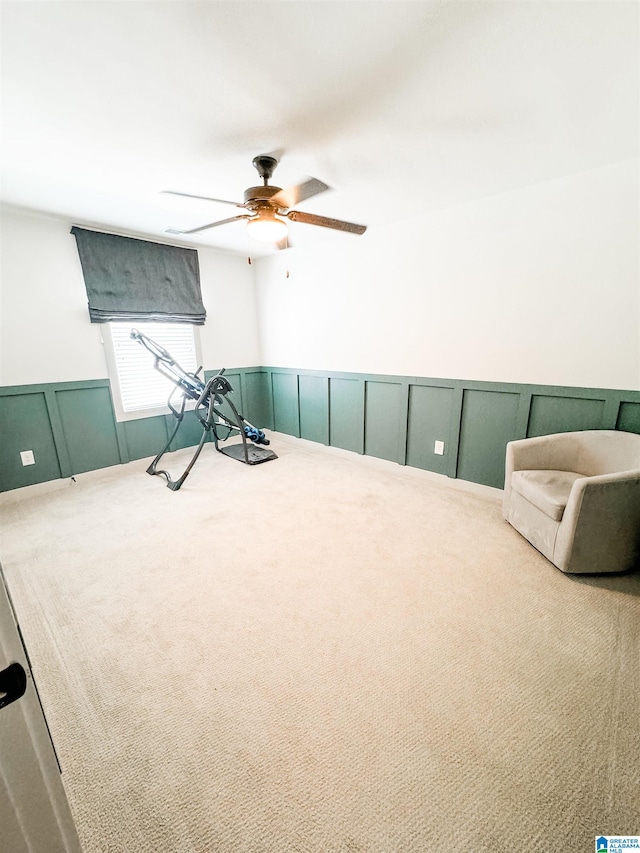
(27, 457)
(439, 448)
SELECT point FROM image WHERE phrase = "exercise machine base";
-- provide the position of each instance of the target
(254, 455)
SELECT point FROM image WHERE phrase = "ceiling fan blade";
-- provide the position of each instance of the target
(203, 198)
(325, 221)
(294, 195)
(210, 225)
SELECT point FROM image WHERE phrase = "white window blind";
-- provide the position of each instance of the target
(141, 387)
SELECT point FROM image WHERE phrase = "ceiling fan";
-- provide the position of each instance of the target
(269, 207)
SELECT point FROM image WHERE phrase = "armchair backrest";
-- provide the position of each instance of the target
(588, 452)
(606, 452)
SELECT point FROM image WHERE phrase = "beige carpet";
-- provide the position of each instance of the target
(322, 654)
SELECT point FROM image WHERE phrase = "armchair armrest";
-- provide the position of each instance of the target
(600, 529)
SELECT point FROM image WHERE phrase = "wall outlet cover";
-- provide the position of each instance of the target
(439, 448)
(27, 457)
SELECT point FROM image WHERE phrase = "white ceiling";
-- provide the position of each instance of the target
(401, 107)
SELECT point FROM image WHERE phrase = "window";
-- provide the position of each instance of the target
(139, 390)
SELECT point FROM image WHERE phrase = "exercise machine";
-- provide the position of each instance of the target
(214, 409)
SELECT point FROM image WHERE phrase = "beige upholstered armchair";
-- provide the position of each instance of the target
(576, 497)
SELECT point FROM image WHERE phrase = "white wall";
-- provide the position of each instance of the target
(230, 337)
(45, 333)
(539, 285)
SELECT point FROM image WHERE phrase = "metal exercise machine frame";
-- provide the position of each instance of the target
(209, 397)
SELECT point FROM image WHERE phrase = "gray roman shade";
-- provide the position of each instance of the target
(128, 279)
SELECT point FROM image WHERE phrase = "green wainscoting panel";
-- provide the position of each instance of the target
(237, 394)
(551, 414)
(430, 416)
(71, 427)
(25, 425)
(259, 404)
(346, 414)
(146, 437)
(629, 417)
(89, 428)
(286, 415)
(385, 421)
(190, 431)
(313, 394)
(488, 423)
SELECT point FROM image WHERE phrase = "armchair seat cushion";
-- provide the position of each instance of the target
(547, 490)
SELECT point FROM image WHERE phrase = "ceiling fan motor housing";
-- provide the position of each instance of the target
(258, 195)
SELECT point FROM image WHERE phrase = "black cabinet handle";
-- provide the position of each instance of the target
(13, 683)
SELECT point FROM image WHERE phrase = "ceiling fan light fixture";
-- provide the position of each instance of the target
(267, 228)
